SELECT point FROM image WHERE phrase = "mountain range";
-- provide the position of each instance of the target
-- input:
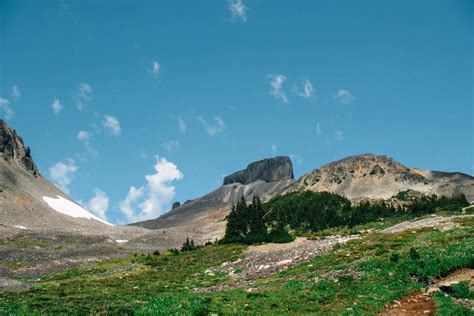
(29, 202)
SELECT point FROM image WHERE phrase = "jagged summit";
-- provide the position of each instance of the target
(267, 170)
(12, 149)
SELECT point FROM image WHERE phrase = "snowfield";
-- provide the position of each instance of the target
(70, 208)
(20, 226)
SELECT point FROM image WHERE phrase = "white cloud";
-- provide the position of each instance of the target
(218, 127)
(15, 93)
(112, 125)
(99, 204)
(274, 148)
(155, 69)
(181, 125)
(308, 91)
(56, 106)
(276, 87)
(171, 145)
(82, 96)
(238, 10)
(5, 106)
(344, 97)
(152, 199)
(84, 137)
(62, 173)
(318, 129)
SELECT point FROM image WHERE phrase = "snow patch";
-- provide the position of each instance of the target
(70, 208)
(121, 241)
(20, 226)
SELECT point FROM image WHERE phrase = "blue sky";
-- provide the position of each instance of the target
(98, 89)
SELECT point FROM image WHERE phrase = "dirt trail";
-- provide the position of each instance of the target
(421, 303)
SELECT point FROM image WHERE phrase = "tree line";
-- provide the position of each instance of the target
(306, 212)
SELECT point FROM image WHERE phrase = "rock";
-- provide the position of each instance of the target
(175, 205)
(267, 170)
(284, 262)
(12, 148)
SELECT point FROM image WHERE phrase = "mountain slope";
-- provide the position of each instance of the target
(370, 176)
(203, 219)
(29, 201)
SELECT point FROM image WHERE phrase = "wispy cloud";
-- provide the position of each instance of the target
(171, 145)
(276, 87)
(338, 136)
(181, 125)
(7, 110)
(155, 68)
(62, 173)
(212, 130)
(238, 11)
(99, 204)
(344, 96)
(318, 129)
(274, 148)
(15, 92)
(82, 96)
(112, 125)
(307, 91)
(56, 106)
(153, 198)
(85, 138)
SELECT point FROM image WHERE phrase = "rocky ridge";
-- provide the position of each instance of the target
(12, 149)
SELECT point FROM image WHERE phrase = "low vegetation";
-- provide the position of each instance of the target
(360, 277)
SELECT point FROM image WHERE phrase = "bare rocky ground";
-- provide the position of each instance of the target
(442, 222)
(30, 255)
(264, 260)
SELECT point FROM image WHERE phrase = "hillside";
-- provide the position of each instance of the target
(370, 176)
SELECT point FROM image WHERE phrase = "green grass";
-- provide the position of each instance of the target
(445, 306)
(386, 267)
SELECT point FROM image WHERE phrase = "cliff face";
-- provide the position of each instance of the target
(267, 170)
(12, 149)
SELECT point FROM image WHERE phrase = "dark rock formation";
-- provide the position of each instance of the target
(13, 149)
(267, 170)
(175, 205)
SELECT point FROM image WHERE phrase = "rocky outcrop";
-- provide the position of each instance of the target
(175, 205)
(370, 176)
(267, 170)
(13, 149)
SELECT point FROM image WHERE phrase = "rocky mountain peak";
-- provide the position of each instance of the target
(267, 170)
(13, 149)
(378, 176)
